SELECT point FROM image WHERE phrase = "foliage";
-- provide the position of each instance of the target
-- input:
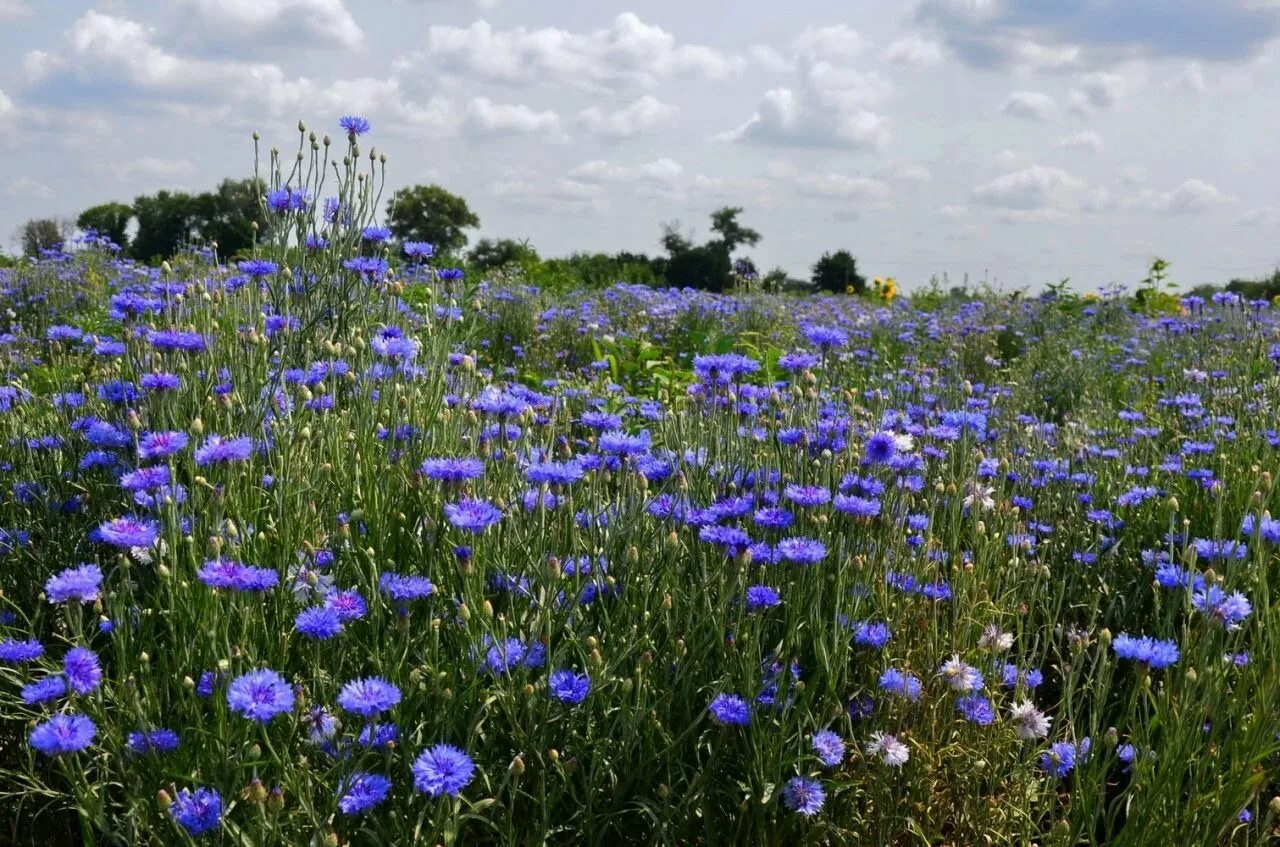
(432, 214)
(624, 566)
(838, 273)
(110, 220)
(39, 234)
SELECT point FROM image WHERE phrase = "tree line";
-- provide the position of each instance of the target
(156, 226)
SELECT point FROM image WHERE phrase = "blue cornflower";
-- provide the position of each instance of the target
(872, 633)
(442, 770)
(762, 597)
(260, 695)
(152, 741)
(473, 516)
(127, 533)
(568, 686)
(1229, 610)
(453, 471)
(257, 267)
(15, 652)
(976, 709)
(802, 551)
(217, 449)
(82, 585)
(368, 696)
(829, 747)
(1062, 757)
(63, 734)
(730, 709)
(804, 795)
(900, 683)
(880, 448)
(236, 576)
(83, 671)
(160, 445)
(403, 588)
(354, 125)
(1152, 652)
(198, 811)
(44, 690)
(361, 791)
(349, 605)
(319, 622)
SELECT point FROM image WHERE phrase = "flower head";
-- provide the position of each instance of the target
(804, 795)
(361, 791)
(368, 696)
(63, 734)
(260, 695)
(442, 770)
(198, 811)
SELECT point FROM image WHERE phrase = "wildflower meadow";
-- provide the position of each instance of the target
(332, 543)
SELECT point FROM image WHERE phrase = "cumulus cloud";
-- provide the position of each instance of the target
(994, 32)
(1032, 192)
(630, 52)
(488, 118)
(631, 120)
(1029, 105)
(828, 42)
(863, 190)
(11, 10)
(6, 107)
(1192, 197)
(914, 50)
(1083, 140)
(326, 21)
(1099, 90)
(828, 107)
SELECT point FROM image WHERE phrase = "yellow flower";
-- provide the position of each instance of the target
(1091, 296)
(848, 289)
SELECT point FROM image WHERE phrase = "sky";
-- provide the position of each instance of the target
(1017, 142)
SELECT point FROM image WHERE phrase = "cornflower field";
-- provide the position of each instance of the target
(332, 544)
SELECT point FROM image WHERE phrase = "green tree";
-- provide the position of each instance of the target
(838, 272)
(109, 220)
(225, 216)
(166, 221)
(431, 213)
(774, 280)
(732, 234)
(42, 234)
(501, 252)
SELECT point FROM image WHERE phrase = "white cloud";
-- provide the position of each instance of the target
(1083, 140)
(1193, 196)
(25, 186)
(631, 120)
(913, 50)
(13, 9)
(630, 52)
(1012, 160)
(1099, 90)
(1030, 105)
(1262, 216)
(828, 42)
(906, 172)
(565, 195)
(489, 118)
(861, 189)
(829, 107)
(152, 166)
(768, 58)
(327, 21)
(1035, 191)
(6, 107)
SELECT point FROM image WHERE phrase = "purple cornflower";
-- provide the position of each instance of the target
(368, 696)
(453, 471)
(730, 709)
(44, 690)
(82, 585)
(15, 652)
(353, 125)
(236, 576)
(403, 588)
(902, 684)
(83, 670)
(568, 687)
(1152, 652)
(804, 795)
(1229, 610)
(829, 747)
(152, 741)
(473, 516)
(880, 448)
(128, 533)
(63, 734)
(260, 695)
(198, 811)
(762, 597)
(217, 449)
(361, 791)
(161, 445)
(318, 622)
(802, 551)
(442, 770)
